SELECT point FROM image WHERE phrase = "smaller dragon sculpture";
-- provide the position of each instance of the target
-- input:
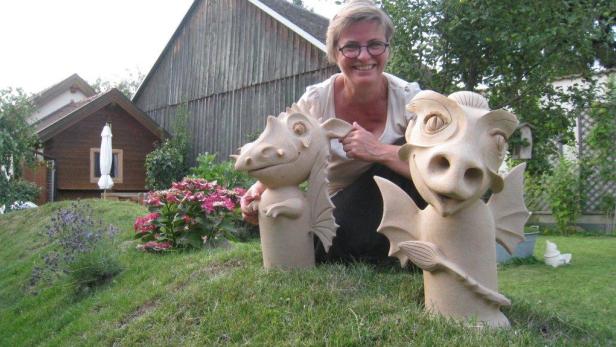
(293, 148)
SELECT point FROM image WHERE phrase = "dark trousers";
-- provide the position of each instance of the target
(358, 212)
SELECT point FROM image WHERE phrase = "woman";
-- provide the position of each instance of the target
(374, 102)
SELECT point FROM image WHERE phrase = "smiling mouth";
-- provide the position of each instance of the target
(365, 67)
(263, 168)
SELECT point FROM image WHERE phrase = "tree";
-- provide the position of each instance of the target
(17, 144)
(128, 86)
(510, 51)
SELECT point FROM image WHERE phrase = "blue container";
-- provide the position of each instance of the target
(523, 250)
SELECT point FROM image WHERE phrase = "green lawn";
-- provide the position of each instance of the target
(223, 296)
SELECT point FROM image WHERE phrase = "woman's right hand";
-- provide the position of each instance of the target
(249, 203)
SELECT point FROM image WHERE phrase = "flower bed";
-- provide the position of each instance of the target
(191, 213)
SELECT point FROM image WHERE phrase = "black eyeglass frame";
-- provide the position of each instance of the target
(385, 46)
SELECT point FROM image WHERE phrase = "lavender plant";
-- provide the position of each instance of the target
(81, 248)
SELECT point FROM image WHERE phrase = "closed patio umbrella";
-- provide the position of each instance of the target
(106, 158)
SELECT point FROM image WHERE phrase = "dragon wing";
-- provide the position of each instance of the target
(509, 211)
(399, 218)
(322, 220)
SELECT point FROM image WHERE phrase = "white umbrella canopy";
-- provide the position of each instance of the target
(106, 158)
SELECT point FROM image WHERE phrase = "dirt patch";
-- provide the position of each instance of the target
(142, 310)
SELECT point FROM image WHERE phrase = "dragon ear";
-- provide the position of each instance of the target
(501, 119)
(336, 128)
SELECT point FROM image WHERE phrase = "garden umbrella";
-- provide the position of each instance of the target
(106, 158)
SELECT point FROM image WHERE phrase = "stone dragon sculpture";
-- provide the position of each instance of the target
(293, 148)
(454, 150)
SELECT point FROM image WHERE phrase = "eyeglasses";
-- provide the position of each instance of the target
(353, 50)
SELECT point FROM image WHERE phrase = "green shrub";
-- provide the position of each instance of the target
(16, 190)
(168, 163)
(165, 165)
(223, 173)
(534, 192)
(563, 188)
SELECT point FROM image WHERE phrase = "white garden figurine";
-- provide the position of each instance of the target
(553, 257)
(293, 148)
(454, 149)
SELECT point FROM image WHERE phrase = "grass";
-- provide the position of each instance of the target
(223, 296)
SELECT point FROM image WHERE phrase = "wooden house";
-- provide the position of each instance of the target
(71, 138)
(233, 63)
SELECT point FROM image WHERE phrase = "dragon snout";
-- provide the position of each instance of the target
(454, 177)
(260, 156)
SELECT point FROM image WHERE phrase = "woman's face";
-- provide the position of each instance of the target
(365, 68)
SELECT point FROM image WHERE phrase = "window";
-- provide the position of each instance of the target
(117, 165)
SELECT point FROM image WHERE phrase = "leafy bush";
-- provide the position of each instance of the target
(165, 165)
(563, 187)
(534, 192)
(81, 248)
(193, 212)
(223, 173)
(168, 163)
(16, 190)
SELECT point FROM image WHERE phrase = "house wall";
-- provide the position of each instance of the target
(37, 174)
(61, 100)
(233, 65)
(71, 150)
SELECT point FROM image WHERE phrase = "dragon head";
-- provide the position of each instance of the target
(288, 148)
(455, 147)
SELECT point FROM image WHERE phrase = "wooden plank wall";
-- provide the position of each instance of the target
(234, 65)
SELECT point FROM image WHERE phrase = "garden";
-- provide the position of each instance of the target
(184, 269)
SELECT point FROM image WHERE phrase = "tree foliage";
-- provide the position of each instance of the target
(128, 86)
(510, 51)
(17, 143)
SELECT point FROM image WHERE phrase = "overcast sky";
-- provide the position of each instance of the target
(45, 41)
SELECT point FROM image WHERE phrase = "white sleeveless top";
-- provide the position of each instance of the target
(319, 99)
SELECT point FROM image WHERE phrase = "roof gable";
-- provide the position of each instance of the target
(72, 82)
(309, 25)
(72, 113)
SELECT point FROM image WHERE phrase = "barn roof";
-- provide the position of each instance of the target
(74, 112)
(308, 25)
(72, 82)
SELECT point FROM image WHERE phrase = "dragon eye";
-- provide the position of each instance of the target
(299, 128)
(435, 122)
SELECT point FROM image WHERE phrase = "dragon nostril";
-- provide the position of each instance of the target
(439, 164)
(473, 176)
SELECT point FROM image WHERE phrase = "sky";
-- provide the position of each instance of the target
(45, 41)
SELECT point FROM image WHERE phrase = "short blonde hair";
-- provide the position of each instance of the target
(355, 11)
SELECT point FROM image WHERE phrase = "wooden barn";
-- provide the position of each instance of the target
(71, 136)
(234, 62)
